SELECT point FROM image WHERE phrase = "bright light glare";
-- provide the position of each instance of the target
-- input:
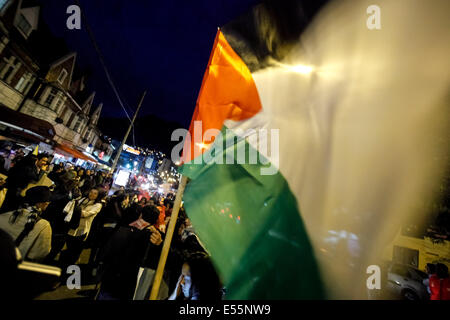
(301, 69)
(298, 68)
(202, 145)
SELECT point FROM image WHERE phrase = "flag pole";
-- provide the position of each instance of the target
(168, 240)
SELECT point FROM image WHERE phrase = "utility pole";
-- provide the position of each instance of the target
(116, 159)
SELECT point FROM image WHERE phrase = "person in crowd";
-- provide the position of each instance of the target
(134, 207)
(161, 224)
(153, 201)
(18, 156)
(86, 208)
(184, 243)
(24, 224)
(430, 270)
(9, 275)
(65, 191)
(81, 176)
(2, 190)
(43, 161)
(142, 202)
(108, 180)
(18, 284)
(128, 249)
(100, 178)
(107, 222)
(87, 183)
(68, 166)
(198, 280)
(141, 222)
(440, 283)
(26, 171)
(56, 173)
(4, 159)
(168, 204)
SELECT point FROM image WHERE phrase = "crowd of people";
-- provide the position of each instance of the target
(121, 230)
(53, 225)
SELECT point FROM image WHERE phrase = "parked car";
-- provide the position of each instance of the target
(407, 282)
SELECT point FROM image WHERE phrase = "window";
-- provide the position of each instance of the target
(23, 25)
(406, 256)
(24, 82)
(67, 116)
(20, 84)
(87, 134)
(6, 67)
(58, 104)
(51, 96)
(62, 76)
(28, 85)
(77, 125)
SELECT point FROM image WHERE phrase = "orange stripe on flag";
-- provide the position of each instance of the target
(227, 92)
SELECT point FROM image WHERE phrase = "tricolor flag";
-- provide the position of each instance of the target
(311, 141)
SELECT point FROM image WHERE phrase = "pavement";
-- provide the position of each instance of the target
(88, 286)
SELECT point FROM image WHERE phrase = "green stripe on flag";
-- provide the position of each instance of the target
(252, 228)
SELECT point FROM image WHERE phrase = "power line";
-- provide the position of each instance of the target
(102, 61)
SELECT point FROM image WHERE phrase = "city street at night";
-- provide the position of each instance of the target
(242, 154)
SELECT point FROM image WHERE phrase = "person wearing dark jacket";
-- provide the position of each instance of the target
(107, 222)
(184, 243)
(9, 273)
(99, 179)
(65, 191)
(87, 183)
(4, 154)
(24, 172)
(128, 249)
(57, 172)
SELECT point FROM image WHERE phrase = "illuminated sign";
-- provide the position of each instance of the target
(131, 150)
(148, 163)
(122, 178)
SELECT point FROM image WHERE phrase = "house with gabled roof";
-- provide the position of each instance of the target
(43, 81)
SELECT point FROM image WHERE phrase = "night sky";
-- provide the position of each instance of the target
(159, 46)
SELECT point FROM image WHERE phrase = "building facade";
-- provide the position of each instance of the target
(47, 91)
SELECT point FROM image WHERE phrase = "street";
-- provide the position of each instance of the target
(86, 292)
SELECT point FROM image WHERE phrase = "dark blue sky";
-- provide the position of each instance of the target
(161, 46)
